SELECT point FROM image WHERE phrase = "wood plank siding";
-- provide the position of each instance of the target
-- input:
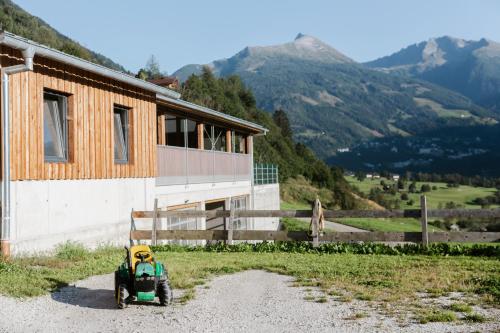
(90, 123)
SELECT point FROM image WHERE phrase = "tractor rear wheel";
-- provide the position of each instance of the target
(164, 293)
(120, 296)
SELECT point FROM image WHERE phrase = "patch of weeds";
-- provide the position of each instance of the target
(334, 293)
(436, 293)
(460, 307)
(437, 316)
(308, 298)
(321, 300)
(187, 296)
(364, 297)
(379, 283)
(345, 299)
(308, 290)
(475, 318)
(358, 315)
(488, 286)
(72, 251)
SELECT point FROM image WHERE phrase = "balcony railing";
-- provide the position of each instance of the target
(178, 165)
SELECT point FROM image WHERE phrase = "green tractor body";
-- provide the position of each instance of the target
(142, 278)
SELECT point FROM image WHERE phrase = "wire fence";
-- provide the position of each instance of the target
(265, 173)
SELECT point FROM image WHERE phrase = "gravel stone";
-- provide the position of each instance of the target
(251, 301)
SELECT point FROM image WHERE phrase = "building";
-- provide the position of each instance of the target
(170, 82)
(88, 145)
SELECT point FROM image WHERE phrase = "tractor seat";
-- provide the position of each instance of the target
(134, 250)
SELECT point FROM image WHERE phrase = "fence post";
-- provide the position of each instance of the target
(155, 218)
(315, 223)
(230, 224)
(423, 219)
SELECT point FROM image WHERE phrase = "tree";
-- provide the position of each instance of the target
(151, 70)
(360, 176)
(412, 188)
(404, 196)
(401, 184)
(281, 119)
(425, 188)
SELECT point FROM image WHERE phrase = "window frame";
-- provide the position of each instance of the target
(125, 128)
(64, 126)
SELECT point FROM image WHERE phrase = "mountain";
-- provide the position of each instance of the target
(334, 102)
(471, 68)
(16, 20)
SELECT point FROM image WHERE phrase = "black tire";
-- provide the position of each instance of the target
(164, 293)
(120, 297)
(116, 284)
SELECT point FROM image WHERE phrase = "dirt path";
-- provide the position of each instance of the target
(252, 301)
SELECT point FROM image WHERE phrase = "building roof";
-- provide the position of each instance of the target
(162, 93)
(164, 81)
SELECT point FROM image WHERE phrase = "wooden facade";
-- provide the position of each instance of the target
(91, 99)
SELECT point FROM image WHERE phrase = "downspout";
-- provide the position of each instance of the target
(28, 55)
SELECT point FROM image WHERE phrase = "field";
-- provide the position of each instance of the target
(462, 195)
(384, 278)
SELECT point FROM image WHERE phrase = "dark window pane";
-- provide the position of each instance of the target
(175, 130)
(219, 139)
(207, 137)
(239, 143)
(120, 122)
(192, 133)
(54, 127)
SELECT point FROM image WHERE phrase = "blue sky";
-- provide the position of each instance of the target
(183, 32)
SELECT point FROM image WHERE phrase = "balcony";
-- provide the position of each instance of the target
(178, 165)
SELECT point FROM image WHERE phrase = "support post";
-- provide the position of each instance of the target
(424, 220)
(155, 220)
(315, 223)
(229, 227)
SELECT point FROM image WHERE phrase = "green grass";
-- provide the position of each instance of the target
(370, 277)
(291, 224)
(475, 318)
(435, 315)
(460, 307)
(389, 225)
(462, 195)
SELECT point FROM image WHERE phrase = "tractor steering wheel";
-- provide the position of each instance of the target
(142, 255)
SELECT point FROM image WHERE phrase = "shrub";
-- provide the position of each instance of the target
(71, 251)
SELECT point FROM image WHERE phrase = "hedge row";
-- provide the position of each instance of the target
(437, 249)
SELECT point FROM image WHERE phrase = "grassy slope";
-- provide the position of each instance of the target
(377, 277)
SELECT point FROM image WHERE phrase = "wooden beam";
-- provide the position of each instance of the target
(330, 214)
(161, 130)
(229, 142)
(423, 220)
(222, 235)
(201, 142)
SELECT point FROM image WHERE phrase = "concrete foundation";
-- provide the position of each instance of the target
(96, 212)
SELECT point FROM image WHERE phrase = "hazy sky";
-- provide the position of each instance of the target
(183, 32)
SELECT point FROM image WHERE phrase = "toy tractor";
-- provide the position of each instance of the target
(142, 278)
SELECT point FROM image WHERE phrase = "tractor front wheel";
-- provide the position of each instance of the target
(164, 293)
(120, 296)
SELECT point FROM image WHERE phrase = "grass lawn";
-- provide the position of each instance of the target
(369, 277)
(462, 195)
(389, 225)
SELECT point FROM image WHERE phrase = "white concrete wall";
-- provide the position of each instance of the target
(266, 197)
(46, 213)
(94, 212)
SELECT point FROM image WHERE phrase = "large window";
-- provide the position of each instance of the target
(239, 143)
(240, 223)
(55, 127)
(121, 124)
(192, 133)
(175, 130)
(214, 138)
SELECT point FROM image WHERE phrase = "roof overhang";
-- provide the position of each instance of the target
(163, 95)
(204, 112)
(20, 43)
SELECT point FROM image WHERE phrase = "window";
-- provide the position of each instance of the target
(219, 139)
(240, 223)
(239, 143)
(175, 130)
(207, 137)
(192, 133)
(120, 121)
(55, 127)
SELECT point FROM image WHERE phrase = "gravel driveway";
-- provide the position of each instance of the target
(251, 301)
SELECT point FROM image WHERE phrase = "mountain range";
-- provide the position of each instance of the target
(336, 104)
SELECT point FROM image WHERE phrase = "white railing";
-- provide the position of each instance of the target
(178, 165)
